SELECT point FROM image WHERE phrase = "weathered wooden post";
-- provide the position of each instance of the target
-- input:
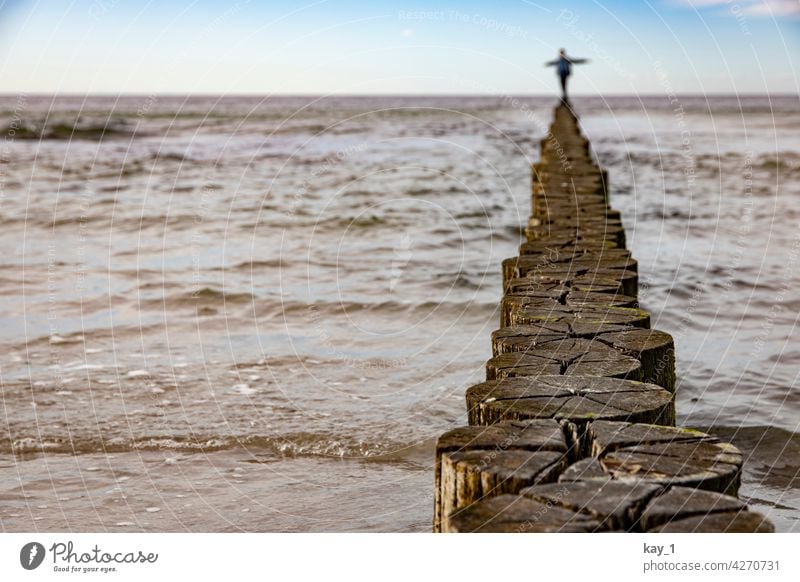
(574, 429)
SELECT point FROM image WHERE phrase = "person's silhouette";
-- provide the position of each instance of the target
(563, 65)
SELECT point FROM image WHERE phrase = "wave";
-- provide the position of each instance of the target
(317, 310)
(112, 223)
(256, 264)
(93, 334)
(203, 297)
(67, 132)
(296, 444)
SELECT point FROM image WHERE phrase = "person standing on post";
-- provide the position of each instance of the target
(563, 65)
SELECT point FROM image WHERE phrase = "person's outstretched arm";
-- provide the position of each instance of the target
(578, 61)
(551, 63)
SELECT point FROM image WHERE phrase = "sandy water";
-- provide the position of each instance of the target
(248, 314)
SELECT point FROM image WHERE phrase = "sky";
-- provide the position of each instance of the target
(397, 47)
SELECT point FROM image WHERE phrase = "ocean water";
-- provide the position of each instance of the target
(252, 314)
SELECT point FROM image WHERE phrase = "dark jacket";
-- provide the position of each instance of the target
(564, 65)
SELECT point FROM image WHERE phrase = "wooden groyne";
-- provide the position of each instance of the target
(574, 428)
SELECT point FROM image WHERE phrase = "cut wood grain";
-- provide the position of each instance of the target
(469, 457)
(518, 514)
(665, 455)
(532, 315)
(578, 399)
(568, 357)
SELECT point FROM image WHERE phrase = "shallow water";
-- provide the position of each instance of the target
(247, 314)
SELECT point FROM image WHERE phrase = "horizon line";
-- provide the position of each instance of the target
(256, 94)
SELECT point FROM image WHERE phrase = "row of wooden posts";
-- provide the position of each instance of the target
(574, 428)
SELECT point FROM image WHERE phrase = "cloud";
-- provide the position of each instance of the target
(762, 8)
(773, 8)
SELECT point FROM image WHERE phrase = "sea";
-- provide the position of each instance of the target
(252, 313)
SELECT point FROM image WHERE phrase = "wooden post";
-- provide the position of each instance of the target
(573, 431)
(473, 462)
(577, 399)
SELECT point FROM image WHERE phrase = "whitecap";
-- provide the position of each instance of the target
(243, 389)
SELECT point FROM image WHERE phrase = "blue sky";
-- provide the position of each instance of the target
(423, 47)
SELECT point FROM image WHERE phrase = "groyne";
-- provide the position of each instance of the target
(574, 428)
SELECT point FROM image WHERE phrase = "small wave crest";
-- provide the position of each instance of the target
(291, 445)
